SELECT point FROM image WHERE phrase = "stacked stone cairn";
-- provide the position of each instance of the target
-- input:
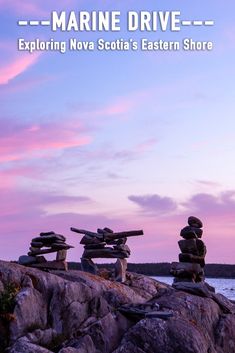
(190, 267)
(47, 243)
(106, 244)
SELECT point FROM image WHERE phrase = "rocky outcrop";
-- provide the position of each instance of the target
(77, 312)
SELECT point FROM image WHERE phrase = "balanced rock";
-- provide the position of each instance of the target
(195, 222)
(192, 256)
(188, 246)
(185, 268)
(36, 244)
(190, 232)
(46, 243)
(43, 234)
(95, 247)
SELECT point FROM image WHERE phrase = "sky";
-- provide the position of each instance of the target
(125, 140)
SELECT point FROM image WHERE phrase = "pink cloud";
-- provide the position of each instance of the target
(123, 105)
(154, 204)
(146, 145)
(13, 69)
(24, 142)
(24, 85)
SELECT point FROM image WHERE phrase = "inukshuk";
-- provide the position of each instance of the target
(106, 244)
(47, 243)
(192, 256)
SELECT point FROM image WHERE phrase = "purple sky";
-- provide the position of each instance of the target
(127, 140)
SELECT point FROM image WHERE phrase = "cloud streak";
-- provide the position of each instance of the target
(25, 141)
(16, 67)
(18, 201)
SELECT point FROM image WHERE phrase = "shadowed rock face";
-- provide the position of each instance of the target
(76, 312)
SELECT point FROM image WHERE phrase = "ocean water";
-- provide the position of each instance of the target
(224, 286)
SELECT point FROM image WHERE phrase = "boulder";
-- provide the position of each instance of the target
(27, 260)
(30, 311)
(74, 311)
(24, 346)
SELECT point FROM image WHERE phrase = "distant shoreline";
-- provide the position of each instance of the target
(163, 269)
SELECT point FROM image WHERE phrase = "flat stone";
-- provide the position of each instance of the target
(44, 234)
(121, 241)
(95, 246)
(123, 247)
(52, 265)
(27, 260)
(108, 230)
(185, 269)
(164, 315)
(104, 231)
(192, 259)
(89, 240)
(188, 279)
(198, 231)
(48, 239)
(32, 249)
(188, 246)
(36, 244)
(60, 237)
(195, 222)
(109, 253)
(59, 246)
(188, 233)
(200, 289)
(41, 252)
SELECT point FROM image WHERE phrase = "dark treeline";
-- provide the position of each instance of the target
(163, 269)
